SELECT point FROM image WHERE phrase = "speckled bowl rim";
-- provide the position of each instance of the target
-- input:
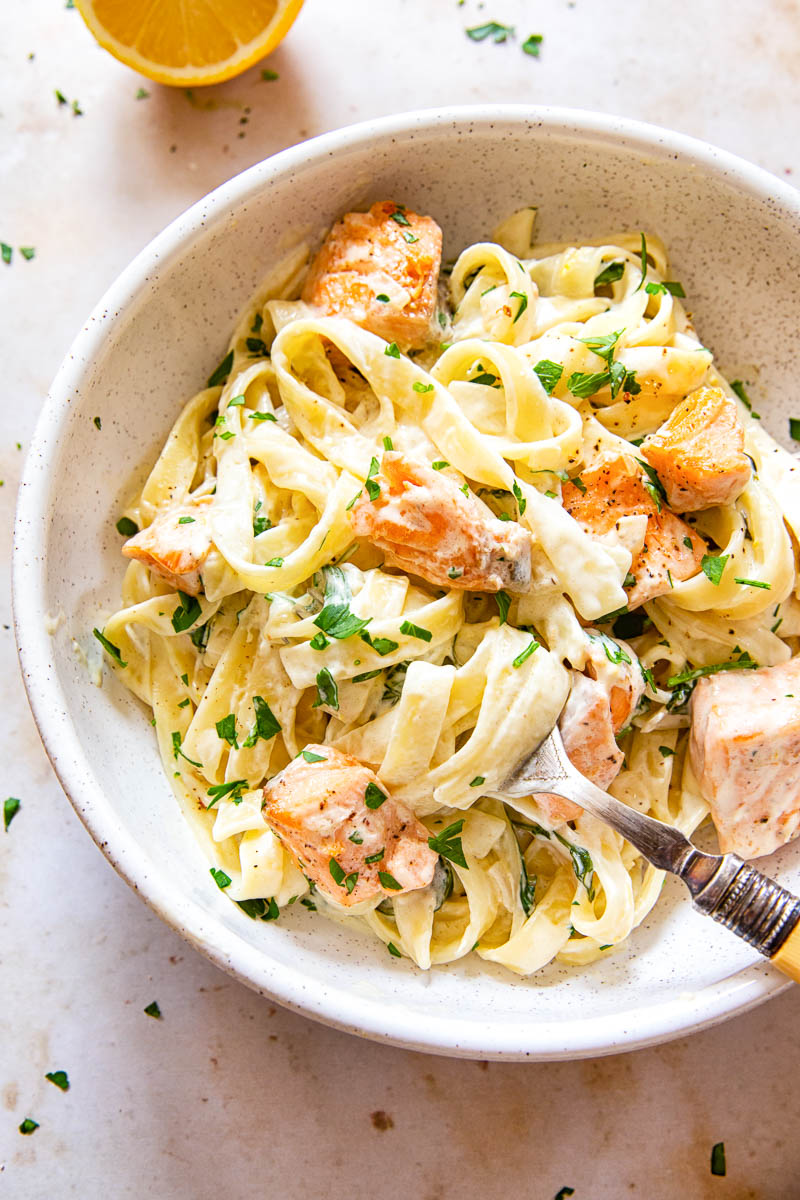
(337, 1006)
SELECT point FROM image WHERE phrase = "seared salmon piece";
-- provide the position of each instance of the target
(388, 252)
(334, 816)
(745, 751)
(698, 453)
(176, 544)
(600, 704)
(425, 524)
(615, 487)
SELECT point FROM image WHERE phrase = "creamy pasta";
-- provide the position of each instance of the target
(546, 362)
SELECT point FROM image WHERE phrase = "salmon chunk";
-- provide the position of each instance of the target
(745, 751)
(425, 524)
(349, 836)
(176, 544)
(601, 703)
(698, 452)
(380, 269)
(615, 487)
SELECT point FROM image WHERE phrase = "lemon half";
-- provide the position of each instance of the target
(189, 42)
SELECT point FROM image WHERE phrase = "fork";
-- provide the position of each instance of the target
(723, 886)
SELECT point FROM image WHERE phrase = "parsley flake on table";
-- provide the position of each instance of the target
(718, 1166)
(794, 428)
(142, 94)
(6, 252)
(395, 953)
(269, 76)
(11, 807)
(127, 527)
(533, 44)
(28, 1125)
(59, 1078)
(153, 1010)
(492, 29)
(221, 373)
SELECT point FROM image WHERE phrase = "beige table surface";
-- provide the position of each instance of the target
(229, 1096)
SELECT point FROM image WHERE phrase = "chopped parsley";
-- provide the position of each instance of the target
(269, 76)
(665, 752)
(389, 882)
(336, 619)
(266, 726)
(794, 428)
(373, 796)
(226, 730)
(393, 350)
(350, 881)
(582, 864)
(356, 838)
(743, 663)
(448, 843)
(387, 444)
(257, 347)
(533, 44)
(523, 304)
(416, 631)
(584, 384)
(532, 646)
(59, 1078)
(395, 953)
(153, 1010)
(262, 416)
(756, 583)
(28, 1125)
(373, 488)
(233, 789)
(274, 562)
(27, 252)
(381, 645)
(527, 889)
(186, 613)
(142, 94)
(492, 29)
(643, 261)
(486, 378)
(400, 217)
(422, 387)
(614, 653)
(186, 520)
(309, 904)
(109, 648)
(503, 601)
(327, 691)
(97, 422)
(738, 387)
(220, 878)
(260, 523)
(376, 857)
(6, 252)
(260, 910)
(568, 1191)
(522, 503)
(311, 757)
(713, 565)
(221, 373)
(11, 807)
(549, 374)
(384, 299)
(478, 781)
(579, 484)
(718, 1166)
(454, 573)
(653, 484)
(610, 274)
(60, 97)
(177, 739)
(366, 675)
(688, 543)
(669, 285)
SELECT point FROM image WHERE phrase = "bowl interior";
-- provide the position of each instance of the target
(734, 240)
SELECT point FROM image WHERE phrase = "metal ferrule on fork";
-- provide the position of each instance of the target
(748, 903)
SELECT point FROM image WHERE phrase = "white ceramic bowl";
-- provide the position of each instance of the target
(734, 235)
